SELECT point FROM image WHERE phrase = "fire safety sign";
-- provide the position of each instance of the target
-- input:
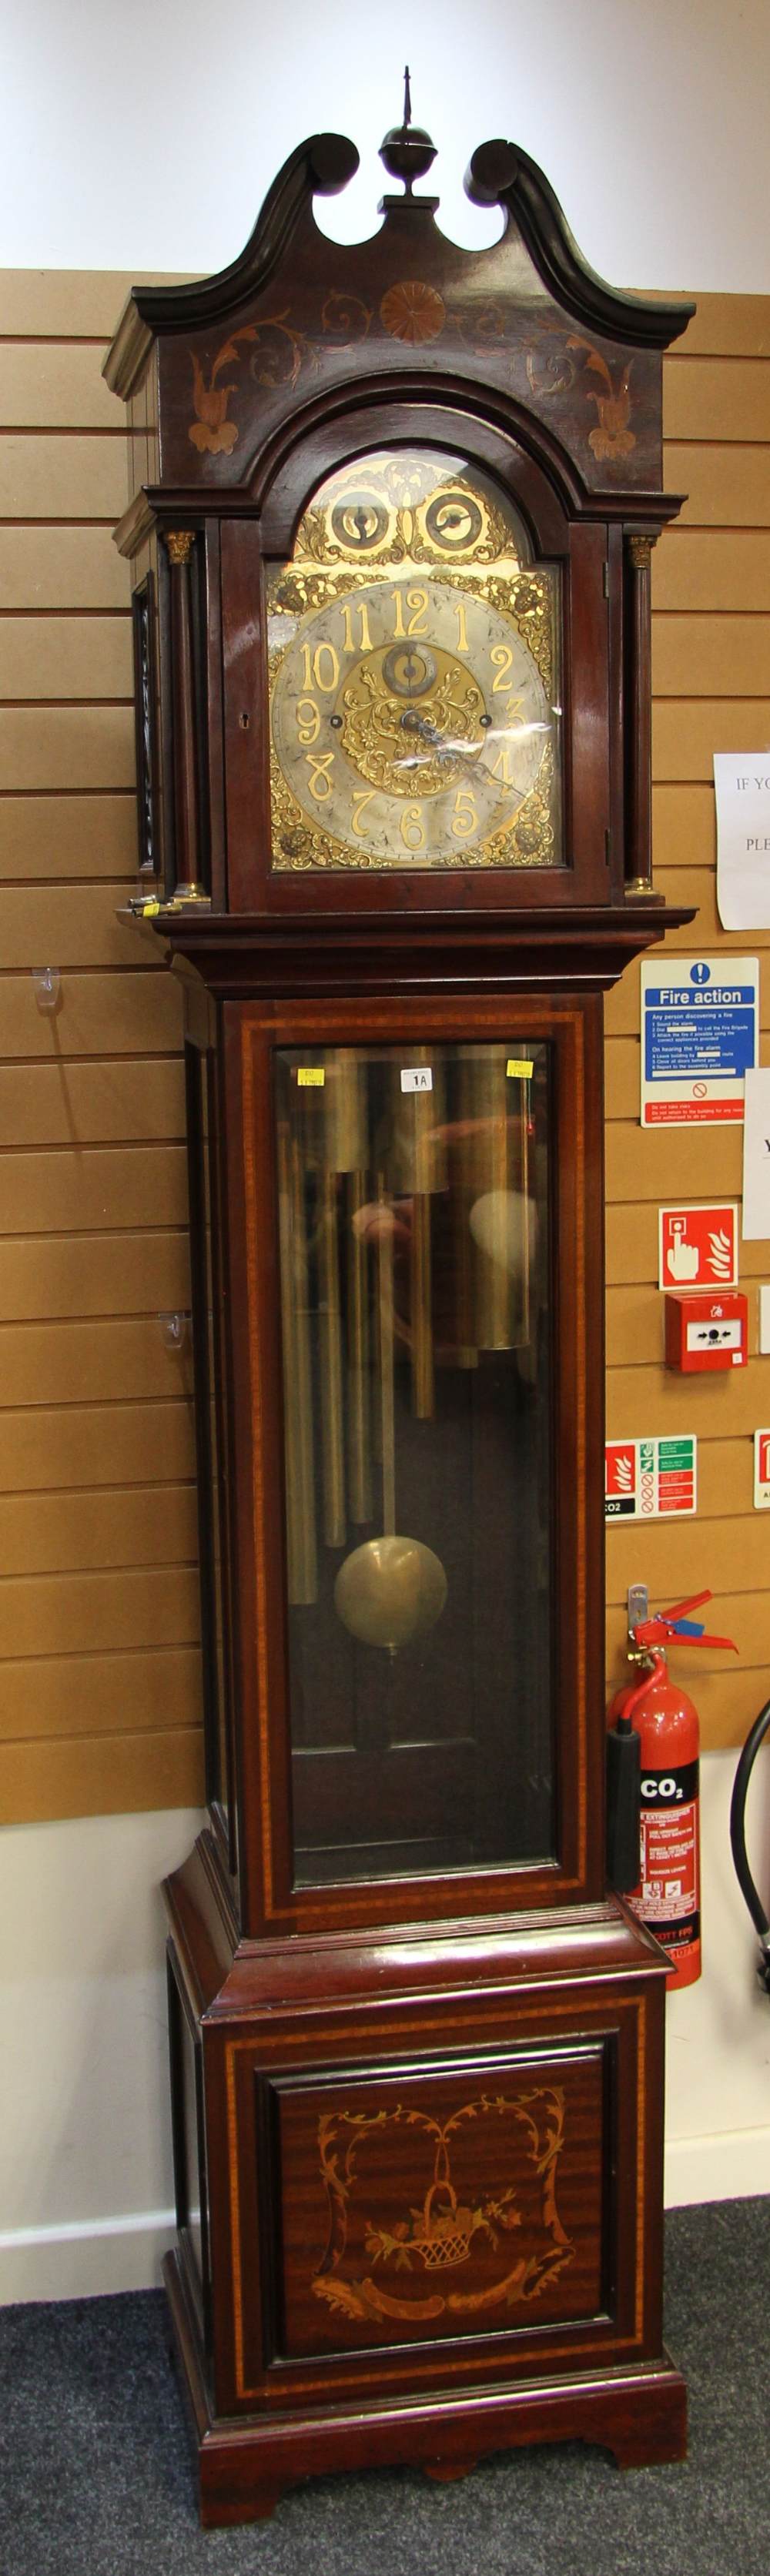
(650, 1480)
(699, 1038)
(698, 1245)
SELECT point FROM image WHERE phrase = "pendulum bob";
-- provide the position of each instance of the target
(330, 1364)
(499, 1211)
(392, 1588)
(389, 1591)
(359, 1442)
(297, 1388)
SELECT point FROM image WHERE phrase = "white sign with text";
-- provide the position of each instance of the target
(742, 789)
(755, 1225)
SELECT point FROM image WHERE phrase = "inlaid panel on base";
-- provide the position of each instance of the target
(442, 2191)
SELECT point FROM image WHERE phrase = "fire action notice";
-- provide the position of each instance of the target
(699, 1038)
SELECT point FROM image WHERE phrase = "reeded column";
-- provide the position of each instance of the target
(179, 544)
(639, 670)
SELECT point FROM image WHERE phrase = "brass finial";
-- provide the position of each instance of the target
(407, 150)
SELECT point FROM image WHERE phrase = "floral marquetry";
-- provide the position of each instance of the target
(412, 311)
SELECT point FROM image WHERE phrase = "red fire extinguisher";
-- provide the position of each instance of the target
(667, 1893)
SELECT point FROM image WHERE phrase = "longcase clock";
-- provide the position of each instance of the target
(391, 530)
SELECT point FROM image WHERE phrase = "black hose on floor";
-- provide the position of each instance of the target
(738, 1839)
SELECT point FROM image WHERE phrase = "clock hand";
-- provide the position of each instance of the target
(448, 750)
(445, 750)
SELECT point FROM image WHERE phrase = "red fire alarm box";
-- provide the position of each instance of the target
(706, 1332)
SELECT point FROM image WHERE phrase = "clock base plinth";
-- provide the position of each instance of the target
(638, 2414)
(431, 2207)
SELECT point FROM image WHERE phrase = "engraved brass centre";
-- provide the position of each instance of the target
(411, 720)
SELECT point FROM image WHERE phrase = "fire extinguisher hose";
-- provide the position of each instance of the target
(738, 1836)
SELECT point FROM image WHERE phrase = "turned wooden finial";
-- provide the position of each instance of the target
(407, 150)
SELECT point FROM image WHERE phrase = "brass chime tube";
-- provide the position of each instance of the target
(302, 1572)
(493, 1286)
(416, 1166)
(330, 1359)
(358, 1415)
(423, 1388)
(387, 1364)
(344, 1110)
(465, 1351)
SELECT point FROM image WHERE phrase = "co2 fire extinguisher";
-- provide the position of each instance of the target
(665, 1892)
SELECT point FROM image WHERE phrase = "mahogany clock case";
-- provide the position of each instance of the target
(416, 2048)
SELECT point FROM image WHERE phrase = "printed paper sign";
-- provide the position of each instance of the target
(698, 1245)
(647, 1480)
(699, 1036)
(416, 1077)
(762, 1471)
(755, 1223)
(742, 788)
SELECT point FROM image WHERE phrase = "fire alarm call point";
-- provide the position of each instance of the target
(706, 1332)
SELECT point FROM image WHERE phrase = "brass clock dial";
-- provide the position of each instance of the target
(413, 715)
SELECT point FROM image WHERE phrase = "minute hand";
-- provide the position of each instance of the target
(451, 750)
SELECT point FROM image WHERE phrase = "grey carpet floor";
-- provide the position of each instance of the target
(97, 2475)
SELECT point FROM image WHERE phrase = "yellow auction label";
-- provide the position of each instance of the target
(311, 1077)
(519, 1069)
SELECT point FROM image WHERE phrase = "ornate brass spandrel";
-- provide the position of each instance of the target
(399, 509)
(534, 834)
(435, 2238)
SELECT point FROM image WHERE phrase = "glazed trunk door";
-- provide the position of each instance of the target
(417, 1373)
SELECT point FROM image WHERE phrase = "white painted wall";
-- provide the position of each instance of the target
(142, 134)
(85, 2145)
(85, 2136)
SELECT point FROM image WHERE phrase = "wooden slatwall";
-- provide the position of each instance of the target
(99, 1684)
(711, 677)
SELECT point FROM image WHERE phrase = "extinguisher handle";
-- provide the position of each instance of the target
(624, 1801)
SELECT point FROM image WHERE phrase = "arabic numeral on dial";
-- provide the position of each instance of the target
(464, 818)
(500, 767)
(413, 828)
(417, 601)
(321, 669)
(359, 610)
(462, 628)
(308, 720)
(501, 658)
(362, 796)
(319, 782)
